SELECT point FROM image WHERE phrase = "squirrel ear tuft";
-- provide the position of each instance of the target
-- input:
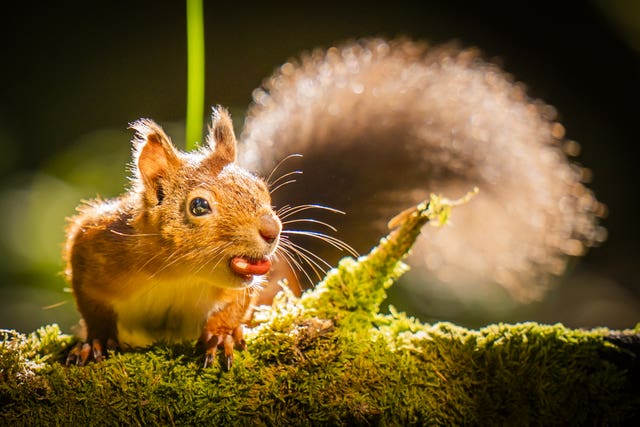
(154, 155)
(221, 138)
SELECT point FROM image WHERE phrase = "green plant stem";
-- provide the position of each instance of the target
(195, 73)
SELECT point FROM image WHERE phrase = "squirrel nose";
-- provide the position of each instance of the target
(269, 227)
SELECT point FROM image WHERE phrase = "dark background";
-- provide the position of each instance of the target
(74, 74)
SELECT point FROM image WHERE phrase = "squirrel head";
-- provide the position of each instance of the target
(213, 219)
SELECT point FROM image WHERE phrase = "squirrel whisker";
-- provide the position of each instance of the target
(311, 220)
(333, 241)
(170, 262)
(289, 255)
(296, 255)
(177, 258)
(217, 263)
(282, 177)
(281, 254)
(291, 181)
(149, 261)
(308, 256)
(286, 211)
(119, 233)
(280, 163)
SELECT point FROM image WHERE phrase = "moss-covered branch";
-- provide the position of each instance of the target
(332, 358)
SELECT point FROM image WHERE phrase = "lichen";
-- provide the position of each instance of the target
(330, 357)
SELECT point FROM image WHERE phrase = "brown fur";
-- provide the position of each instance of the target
(146, 246)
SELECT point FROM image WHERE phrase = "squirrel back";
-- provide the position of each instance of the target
(381, 124)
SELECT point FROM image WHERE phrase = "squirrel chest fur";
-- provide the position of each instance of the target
(181, 255)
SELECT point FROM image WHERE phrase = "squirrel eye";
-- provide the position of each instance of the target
(199, 207)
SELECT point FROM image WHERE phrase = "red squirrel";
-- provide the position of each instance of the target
(380, 125)
(179, 256)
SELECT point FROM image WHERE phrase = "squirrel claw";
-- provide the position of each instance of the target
(211, 346)
(82, 353)
(209, 358)
(96, 350)
(229, 344)
(79, 354)
(228, 341)
(73, 358)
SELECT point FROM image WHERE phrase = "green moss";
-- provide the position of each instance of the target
(354, 291)
(331, 358)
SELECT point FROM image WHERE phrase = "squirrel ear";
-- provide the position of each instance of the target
(155, 156)
(221, 138)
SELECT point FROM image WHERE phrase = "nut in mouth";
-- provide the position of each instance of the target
(247, 267)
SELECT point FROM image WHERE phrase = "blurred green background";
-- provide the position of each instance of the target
(74, 74)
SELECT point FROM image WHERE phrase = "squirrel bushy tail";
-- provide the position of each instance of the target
(382, 124)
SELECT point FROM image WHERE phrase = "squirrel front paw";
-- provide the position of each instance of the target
(84, 352)
(212, 341)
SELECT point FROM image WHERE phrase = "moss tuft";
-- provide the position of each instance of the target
(354, 291)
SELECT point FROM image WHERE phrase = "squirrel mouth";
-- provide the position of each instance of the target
(245, 266)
